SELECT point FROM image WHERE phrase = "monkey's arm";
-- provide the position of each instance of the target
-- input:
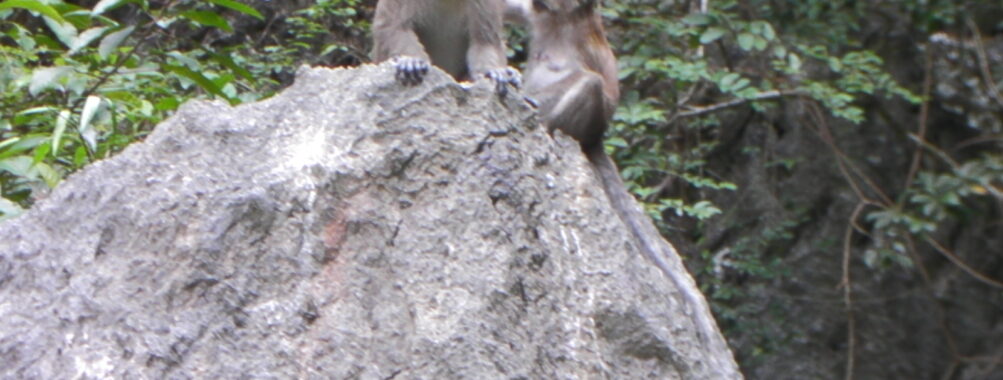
(486, 54)
(394, 38)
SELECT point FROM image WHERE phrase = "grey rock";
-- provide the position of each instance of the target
(348, 228)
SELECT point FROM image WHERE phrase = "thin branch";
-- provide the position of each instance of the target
(697, 111)
(851, 334)
(961, 264)
(980, 52)
(924, 113)
(844, 162)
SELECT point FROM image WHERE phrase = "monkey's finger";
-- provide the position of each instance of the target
(411, 70)
(502, 78)
(531, 101)
(514, 77)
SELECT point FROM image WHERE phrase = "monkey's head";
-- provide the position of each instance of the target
(562, 7)
(535, 9)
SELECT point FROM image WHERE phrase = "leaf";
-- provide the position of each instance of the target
(86, 131)
(208, 18)
(727, 80)
(184, 59)
(768, 32)
(103, 6)
(64, 31)
(242, 8)
(80, 157)
(198, 78)
(57, 134)
(41, 151)
(9, 209)
(711, 34)
(17, 145)
(228, 62)
(46, 77)
(19, 166)
(745, 41)
(794, 62)
(48, 174)
(34, 5)
(697, 19)
(85, 38)
(112, 41)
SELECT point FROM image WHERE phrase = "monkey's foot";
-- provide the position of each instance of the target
(410, 70)
(503, 77)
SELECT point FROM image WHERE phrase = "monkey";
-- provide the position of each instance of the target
(462, 37)
(571, 75)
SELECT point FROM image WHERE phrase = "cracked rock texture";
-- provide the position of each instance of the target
(346, 228)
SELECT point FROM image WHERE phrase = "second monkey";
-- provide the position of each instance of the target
(572, 75)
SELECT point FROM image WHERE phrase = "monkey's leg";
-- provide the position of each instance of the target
(394, 39)
(576, 105)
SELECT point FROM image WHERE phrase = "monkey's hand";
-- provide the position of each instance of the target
(503, 77)
(410, 70)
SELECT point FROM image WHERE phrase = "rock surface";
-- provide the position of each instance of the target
(346, 228)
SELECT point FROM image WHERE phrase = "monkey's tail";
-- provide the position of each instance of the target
(654, 247)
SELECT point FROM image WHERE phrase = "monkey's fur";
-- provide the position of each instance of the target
(462, 37)
(572, 75)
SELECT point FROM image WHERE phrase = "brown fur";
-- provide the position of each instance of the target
(463, 37)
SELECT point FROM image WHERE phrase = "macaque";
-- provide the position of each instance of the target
(462, 37)
(571, 75)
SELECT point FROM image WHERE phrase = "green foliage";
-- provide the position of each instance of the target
(79, 85)
(691, 78)
(665, 80)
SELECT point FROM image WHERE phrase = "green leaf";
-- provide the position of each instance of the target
(87, 132)
(767, 32)
(80, 156)
(228, 62)
(46, 77)
(48, 174)
(112, 41)
(33, 5)
(242, 8)
(81, 41)
(697, 19)
(794, 62)
(19, 166)
(64, 31)
(41, 151)
(712, 34)
(57, 134)
(745, 41)
(103, 6)
(198, 78)
(9, 209)
(208, 18)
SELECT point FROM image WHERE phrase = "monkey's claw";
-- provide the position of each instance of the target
(410, 70)
(503, 77)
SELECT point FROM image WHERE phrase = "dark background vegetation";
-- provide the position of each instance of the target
(831, 171)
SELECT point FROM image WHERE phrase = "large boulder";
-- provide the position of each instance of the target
(349, 227)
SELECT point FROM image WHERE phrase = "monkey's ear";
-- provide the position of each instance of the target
(541, 5)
